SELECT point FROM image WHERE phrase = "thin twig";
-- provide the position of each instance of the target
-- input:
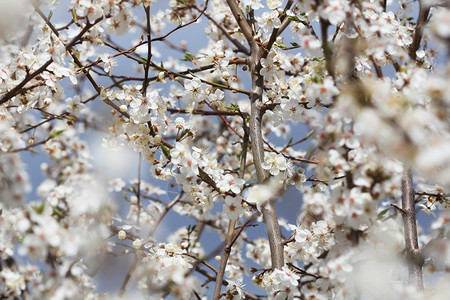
(232, 224)
(151, 232)
(149, 50)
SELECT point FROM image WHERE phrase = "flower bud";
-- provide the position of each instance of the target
(123, 108)
(47, 101)
(184, 245)
(122, 235)
(137, 243)
(157, 139)
(226, 75)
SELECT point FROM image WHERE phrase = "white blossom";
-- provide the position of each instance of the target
(269, 20)
(233, 207)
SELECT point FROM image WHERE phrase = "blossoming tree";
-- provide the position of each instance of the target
(367, 81)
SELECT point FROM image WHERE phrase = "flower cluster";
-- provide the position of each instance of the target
(309, 244)
(279, 284)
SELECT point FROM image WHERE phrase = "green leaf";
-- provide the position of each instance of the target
(74, 16)
(233, 107)
(316, 78)
(165, 151)
(184, 133)
(50, 14)
(281, 46)
(382, 213)
(39, 209)
(294, 44)
(188, 56)
(56, 133)
(57, 212)
(294, 18)
(33, 150)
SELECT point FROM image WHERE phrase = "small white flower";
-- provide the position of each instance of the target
(274, 4)
(230, 182)
(108, 62)
(269, 20)
(233, 207)
(195, 91)
(274, 163)
(75, 106)
(255, 4)
(235, 288)
(322, 92)
(178, 153)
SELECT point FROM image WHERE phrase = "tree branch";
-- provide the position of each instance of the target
(242, 22)
(231, 226)
(421, 21)
(269, 212)
(17, 90)
(415, 261)
(149, 50)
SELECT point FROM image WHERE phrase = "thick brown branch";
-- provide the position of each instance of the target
(269, 213)
(415, 261)
(421, 21)
(242, 22)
